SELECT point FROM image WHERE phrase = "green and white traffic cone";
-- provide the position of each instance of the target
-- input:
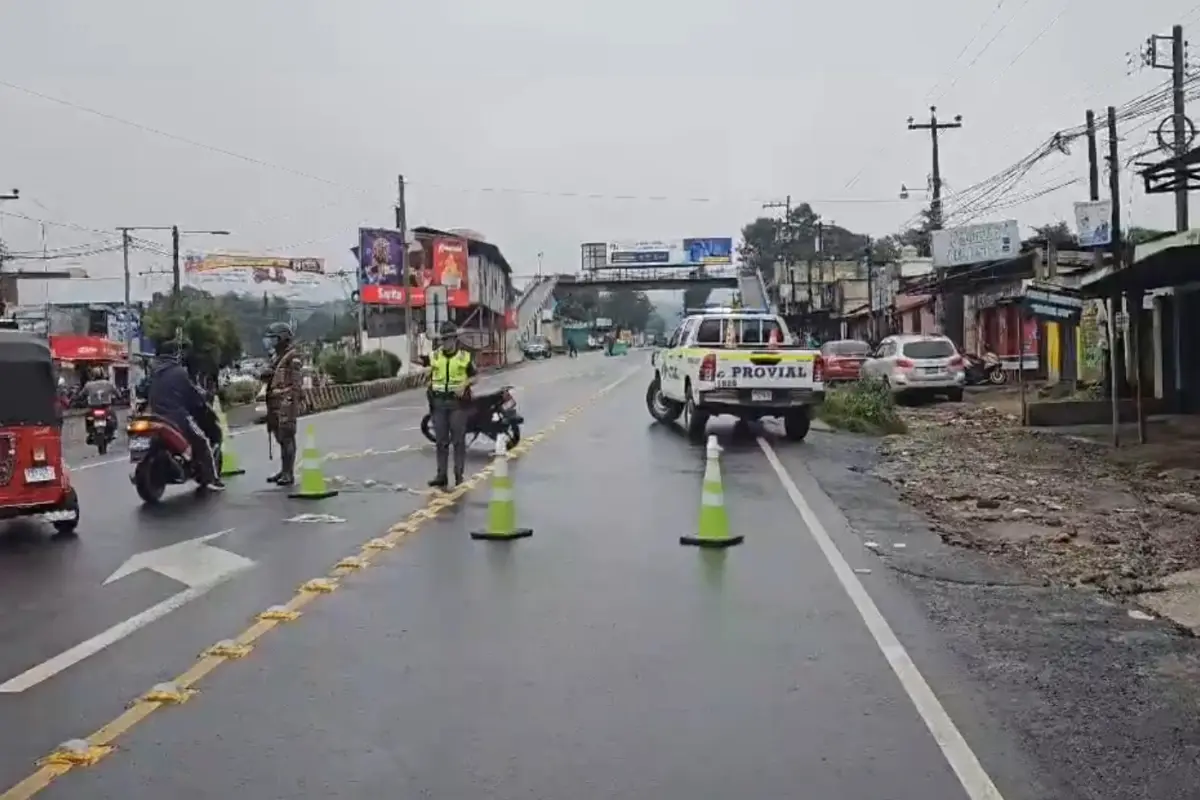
(312, 478)
(713, 529)
(502, 512)
(230, 464)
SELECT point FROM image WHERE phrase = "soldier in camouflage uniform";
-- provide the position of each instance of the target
(284, 394)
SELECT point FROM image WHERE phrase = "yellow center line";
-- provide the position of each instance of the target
(89, 751)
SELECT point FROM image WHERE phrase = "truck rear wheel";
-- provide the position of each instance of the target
(796, 424)
(695, 420)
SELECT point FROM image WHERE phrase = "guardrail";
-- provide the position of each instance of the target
(324, 398)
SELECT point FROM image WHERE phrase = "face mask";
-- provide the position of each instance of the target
(268, 344)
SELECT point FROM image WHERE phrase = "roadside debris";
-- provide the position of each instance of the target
(1057, 505)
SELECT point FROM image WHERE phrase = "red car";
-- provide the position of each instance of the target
(844, 359)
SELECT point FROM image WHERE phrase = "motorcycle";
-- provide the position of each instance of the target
(161, 456)
(985, 369)
(101, 427)
(492, 414)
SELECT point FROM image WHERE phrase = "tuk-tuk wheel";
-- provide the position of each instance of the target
(71, 503)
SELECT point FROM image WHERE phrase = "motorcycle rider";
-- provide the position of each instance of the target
(173, 396)
(451, 372)
(284, 393)
(99, 391)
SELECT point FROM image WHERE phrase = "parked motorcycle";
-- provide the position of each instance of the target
(161, 456)
(101, 427)
(493, 414)
(985, 369)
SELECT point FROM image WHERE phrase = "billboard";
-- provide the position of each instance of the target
(1093, 220)
(214, 261)
(380, 251)
(238, 270)
(971, 244)
(670, 252)
(709, 251)
(450, 270)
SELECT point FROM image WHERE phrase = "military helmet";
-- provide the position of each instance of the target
(280, 330)
(448, 330)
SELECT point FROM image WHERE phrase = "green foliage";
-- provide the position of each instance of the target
(1057, 233)
(370, 366)
(239, 393)
(627, 308)
(210, 334)
(865, 406)
(767, 241)
(1136, 235)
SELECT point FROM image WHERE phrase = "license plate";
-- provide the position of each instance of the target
(760, 396)
(40, 474)
(933, 370)
(139, 443)
(101, 423)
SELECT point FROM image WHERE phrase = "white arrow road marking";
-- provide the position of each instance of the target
(195, 563)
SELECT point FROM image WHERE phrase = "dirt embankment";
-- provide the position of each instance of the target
(1059, 506)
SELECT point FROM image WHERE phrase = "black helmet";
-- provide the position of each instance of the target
(448, 330)
(280, 330)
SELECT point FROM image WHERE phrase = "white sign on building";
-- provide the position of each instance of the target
(1093, 221)
(971, 244)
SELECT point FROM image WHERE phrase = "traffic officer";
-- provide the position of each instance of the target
(451, 372)
(284, 395)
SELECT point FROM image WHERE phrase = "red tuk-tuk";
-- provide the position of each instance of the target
(33, 477)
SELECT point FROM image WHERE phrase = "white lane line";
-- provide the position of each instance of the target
(958, 754)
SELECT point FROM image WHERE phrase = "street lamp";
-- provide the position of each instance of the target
(176, 278)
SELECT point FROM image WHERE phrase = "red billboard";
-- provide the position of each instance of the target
(450, 269)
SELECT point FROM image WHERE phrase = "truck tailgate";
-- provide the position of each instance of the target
(765, 369)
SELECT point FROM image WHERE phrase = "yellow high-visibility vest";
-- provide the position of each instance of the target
(448, 374)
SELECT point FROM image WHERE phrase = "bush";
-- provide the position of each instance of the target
(238, 393)
(368, 367)
(865, 406)
(337, 367)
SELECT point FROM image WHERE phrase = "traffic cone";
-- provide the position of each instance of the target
(714, 522)
(312, 479)
(502, 513)
(229, 465)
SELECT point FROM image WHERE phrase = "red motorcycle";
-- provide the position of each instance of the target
(161, 456)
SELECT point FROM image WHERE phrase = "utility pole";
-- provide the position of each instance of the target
(1093, 161)
(1180, 123)
(1116, 361)
(786, 205)
(176, 278)
(1182, 129)
(405, 276)
(945, 313)
(933, 126)
(5, 285)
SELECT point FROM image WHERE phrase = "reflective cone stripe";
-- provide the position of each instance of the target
(312, 479)
(714, 522)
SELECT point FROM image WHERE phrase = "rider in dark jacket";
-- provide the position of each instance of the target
(173, 396)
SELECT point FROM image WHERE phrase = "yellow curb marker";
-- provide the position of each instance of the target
(87, 752)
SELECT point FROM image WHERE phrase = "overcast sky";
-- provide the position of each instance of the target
(713, 106)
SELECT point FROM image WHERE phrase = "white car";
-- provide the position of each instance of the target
(914, 365)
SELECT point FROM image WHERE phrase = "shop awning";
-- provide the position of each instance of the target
(68, 347)
(1170, 261)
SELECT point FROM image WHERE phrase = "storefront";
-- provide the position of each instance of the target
(78, 356)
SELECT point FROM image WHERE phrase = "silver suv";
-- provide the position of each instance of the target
(912, 365)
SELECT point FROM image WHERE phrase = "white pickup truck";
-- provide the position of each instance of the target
(737, 363)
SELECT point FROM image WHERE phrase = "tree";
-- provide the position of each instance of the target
(695, 297)
(1136, 235)
(920, 235)
(210, 333)
(627, 308)
(1056, 233)
(577, 303)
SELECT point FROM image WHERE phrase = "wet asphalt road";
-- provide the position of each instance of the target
(598, 659)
